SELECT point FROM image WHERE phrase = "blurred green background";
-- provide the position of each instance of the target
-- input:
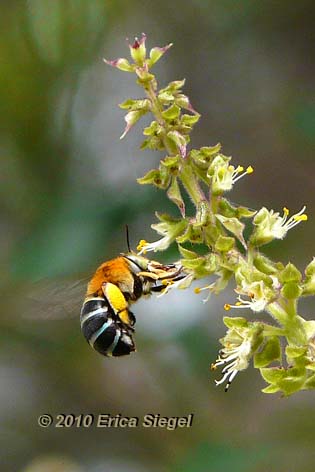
(68, 187)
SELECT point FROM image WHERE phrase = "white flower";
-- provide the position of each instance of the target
(181, 283)
(159, 245)
(258, 293)
(240, 343)
(270, 225)
(225, 175)
(210, 287)
(169, 229)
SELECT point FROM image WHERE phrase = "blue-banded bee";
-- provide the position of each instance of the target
(106, 321)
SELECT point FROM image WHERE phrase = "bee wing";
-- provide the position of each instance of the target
(49, 299)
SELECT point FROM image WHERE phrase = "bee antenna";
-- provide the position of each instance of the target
(127, 237)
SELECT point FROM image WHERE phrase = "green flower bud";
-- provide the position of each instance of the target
(138, 50)
(291, 290)
(265, 265)
(178, 142)
(290, 274)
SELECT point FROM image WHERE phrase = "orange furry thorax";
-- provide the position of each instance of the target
(115, 271)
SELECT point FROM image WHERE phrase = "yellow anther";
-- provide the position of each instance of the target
(197, 290)
(227, 306)
(239, 169)
(238, 304)
(213, 366)
(142, 244)
(231, 168)
(249, 170)
(300, 217)
(286, 211)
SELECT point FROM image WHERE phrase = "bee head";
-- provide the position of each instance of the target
(142, 266)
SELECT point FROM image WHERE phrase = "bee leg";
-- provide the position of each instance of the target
(132, 319)
(149, 275)
(158, 288)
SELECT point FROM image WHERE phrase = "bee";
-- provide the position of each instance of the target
(106, 320)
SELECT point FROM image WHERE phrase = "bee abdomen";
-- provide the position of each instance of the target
(102, 331)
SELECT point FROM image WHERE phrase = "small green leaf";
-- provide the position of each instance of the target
(293, 352)
(153, 129)
(186, 253)
(134, 105)
(273, 375)
(235, 322)
(271, 389)
(290, 274)
(309, 383)
(291, 290)
(154, 177)
(165, 218)
(224, 243)
(270, 352)
(149, 177)
(172, 113)
(189, 120)
(244, 212)
(170, 161)
(156, 54)
(234, 226)
(175, 196)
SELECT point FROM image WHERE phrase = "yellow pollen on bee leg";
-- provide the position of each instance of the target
(115, 297)
(167, 282)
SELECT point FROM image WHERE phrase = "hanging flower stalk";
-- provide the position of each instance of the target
(206, 175)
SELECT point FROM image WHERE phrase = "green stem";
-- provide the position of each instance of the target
(187, 175)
